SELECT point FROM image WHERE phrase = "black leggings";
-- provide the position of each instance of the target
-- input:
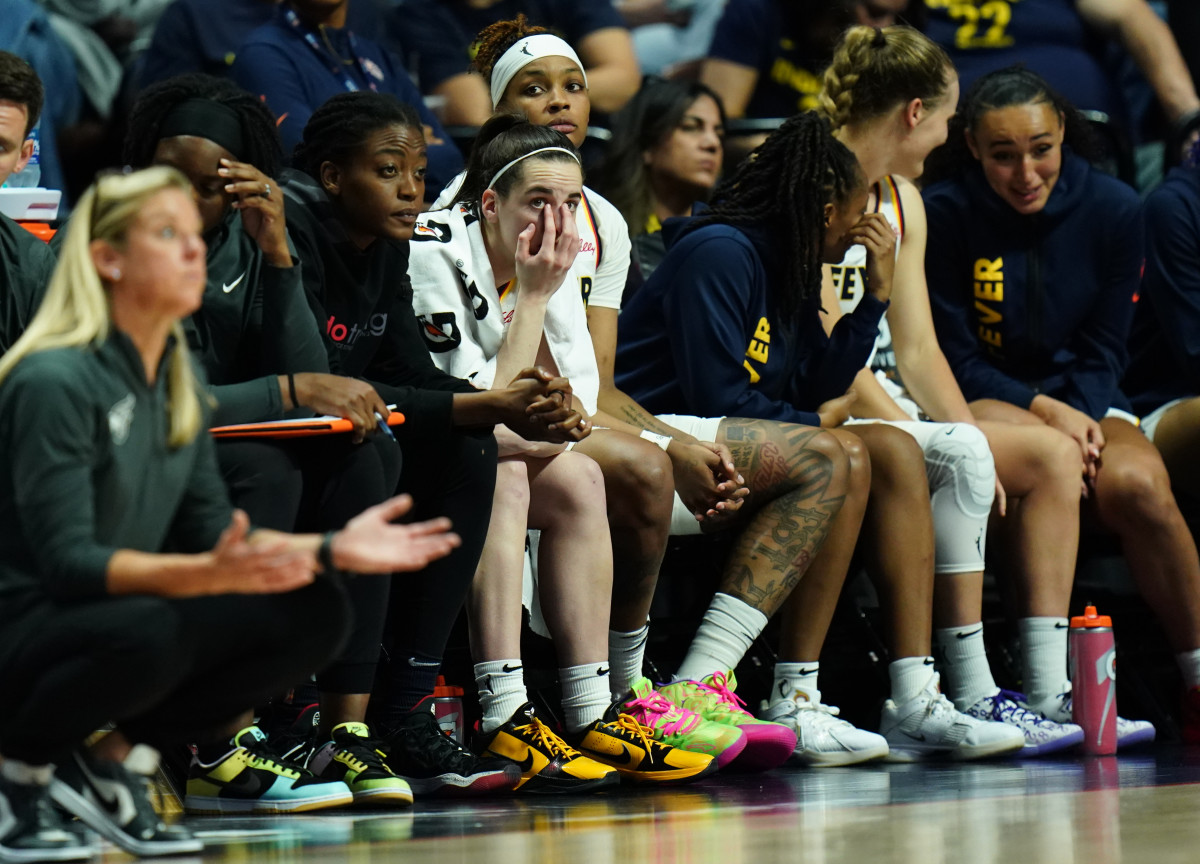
(166, 670)
(454, 476)
(318, 484)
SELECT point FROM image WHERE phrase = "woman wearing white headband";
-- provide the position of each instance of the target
(492, 284)
(784, 473)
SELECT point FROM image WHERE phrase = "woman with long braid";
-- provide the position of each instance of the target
(729, 324)
(888, 95)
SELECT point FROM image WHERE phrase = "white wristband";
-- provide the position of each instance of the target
(663, 441)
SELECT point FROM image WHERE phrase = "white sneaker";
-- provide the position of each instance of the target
(929, 725)
(1042, 735)
(822, 738)
(1129, 732)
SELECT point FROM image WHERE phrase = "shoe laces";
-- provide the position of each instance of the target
(1007, 707)
(664, 715)
(721, 688)
(362, 753)
(544, 737)
(434, 746)
(259, 756)
(629, 727)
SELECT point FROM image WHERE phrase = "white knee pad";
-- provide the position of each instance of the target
(962, 484)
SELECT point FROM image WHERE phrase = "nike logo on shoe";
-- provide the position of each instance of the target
(914, 737)
(632, 760)
(526, 764)
(113, 796)
(227, 287)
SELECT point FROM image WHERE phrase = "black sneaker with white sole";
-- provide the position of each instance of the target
(114, 801)
(31, 829)
(433, 763)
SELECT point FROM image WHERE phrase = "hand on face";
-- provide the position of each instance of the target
(261, 202)
(542, 262)
(875, 233)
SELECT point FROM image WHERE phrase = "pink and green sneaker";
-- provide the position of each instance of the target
(768, 745)
(680, 728)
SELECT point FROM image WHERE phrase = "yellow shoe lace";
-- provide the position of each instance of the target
(545, 738)
(644, 735)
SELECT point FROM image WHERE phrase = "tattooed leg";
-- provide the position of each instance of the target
(798, 478)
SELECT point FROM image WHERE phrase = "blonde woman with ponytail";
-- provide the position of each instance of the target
(104, 464)
(888, 95)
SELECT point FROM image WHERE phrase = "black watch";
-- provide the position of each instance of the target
(325, 553)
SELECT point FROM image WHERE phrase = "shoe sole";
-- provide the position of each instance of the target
(98, 820)
(1136, 738)
(1047, 747)
(666, 777)
(909, 753)
(455, 786)
(382, 798)
(766, 748)
(538, 785)
(816, 759)
(206, 805)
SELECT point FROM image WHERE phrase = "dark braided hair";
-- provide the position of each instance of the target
(343, 124)
(1014, 85)
(495, 39)
(261, 140)
(503, 138)
(782, 189)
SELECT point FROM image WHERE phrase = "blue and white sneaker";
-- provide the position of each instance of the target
(1129, 732)
(1042, 735)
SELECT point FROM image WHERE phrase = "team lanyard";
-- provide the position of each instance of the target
(334, 67)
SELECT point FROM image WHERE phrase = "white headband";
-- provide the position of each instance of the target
(525, 52)
(500, 173)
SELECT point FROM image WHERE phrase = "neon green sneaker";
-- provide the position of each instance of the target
(678, 727)
(356, 758)
(768, 745)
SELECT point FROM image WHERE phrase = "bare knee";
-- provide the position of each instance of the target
(1136, 490)
(641, 483)
(897, 460)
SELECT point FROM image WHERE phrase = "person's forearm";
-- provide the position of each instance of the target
(619, 406)
(610, 87)
(132, 572)
(931, 384)
(519, 350)
(1153, 47)
(476, 409)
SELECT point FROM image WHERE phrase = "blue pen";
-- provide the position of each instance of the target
(385, 428)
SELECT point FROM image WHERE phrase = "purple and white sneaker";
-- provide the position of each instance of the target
(1042, 735)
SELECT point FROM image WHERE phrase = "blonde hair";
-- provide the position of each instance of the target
(75, 311)
(875, 69)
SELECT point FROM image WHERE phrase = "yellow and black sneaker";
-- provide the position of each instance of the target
(619, 740)
(355, 758)
(548, 764)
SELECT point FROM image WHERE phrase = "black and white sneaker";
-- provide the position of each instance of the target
(114, 800)
(433, 763)
(32, 830)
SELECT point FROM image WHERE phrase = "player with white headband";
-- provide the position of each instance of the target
(792, 472)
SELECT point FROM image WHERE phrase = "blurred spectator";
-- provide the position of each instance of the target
(767, 56)
(1064, 42)
(204, 35)
(664, 156)
(669, 35)
(305, 54)
(25, 31)
(439, 35)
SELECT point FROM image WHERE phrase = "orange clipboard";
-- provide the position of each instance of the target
(302, 428)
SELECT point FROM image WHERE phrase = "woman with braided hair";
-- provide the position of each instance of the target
(888, 95)
(804, 492)
(730, 324)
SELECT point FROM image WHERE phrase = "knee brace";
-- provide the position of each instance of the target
(962, 485)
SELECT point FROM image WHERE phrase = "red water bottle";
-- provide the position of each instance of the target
(448, 709)
(1094, 681)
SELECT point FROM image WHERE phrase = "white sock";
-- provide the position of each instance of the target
(910, 676)
(796, 681)
(1043, 657)
(626, 651)
(725, 634)
(26, 774)
(501, 686)
(585, 695)
(963, 660)
(1189, 665)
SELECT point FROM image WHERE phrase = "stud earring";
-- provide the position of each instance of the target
(116, 275)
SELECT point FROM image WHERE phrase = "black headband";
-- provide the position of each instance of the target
(204, 118)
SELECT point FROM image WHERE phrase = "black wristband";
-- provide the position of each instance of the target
(325, 554)
(292, 390)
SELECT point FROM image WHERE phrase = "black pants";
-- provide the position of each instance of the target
(167, 670)
(454, 476)
(318, 484)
